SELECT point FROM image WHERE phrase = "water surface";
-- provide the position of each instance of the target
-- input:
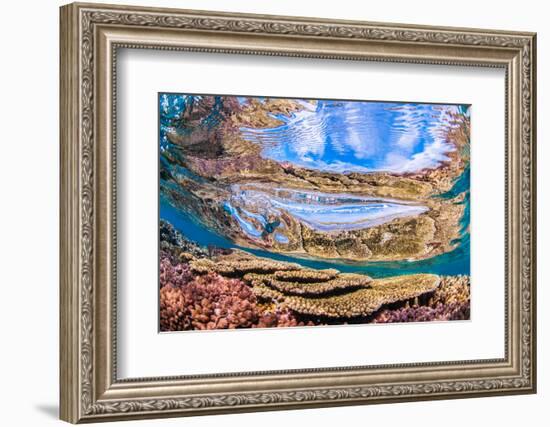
(332, 136)
(326, 212)
(352, 136)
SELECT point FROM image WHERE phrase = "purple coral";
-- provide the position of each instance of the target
(416, 313)
(172, 273)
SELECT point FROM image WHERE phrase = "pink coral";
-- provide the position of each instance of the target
(281, 318)
(208, 302)
(212, 301)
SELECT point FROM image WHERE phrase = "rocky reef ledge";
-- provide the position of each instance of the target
(212, 288)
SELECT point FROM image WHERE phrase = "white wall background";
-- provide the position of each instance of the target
(29, 170)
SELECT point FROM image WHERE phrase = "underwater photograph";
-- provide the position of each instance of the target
(279, 212)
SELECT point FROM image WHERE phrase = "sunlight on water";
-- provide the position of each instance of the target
(331, 136)
(346, 136)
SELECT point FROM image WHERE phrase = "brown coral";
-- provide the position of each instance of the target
(208, 302)
(360, 302)
(285, 277)
(239, 267)
(450, 301)
(307, 276)
(453, 290)
(301, 286)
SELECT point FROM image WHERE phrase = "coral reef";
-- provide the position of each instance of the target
(402, 238)
(314, 287)
(212, 161)
(228, 266)
(193, 301)
(225, 167)
(215, 288)
(420, 313)
(306, 276)
(283, 276)
(360, 302)
(453, 290)
(209, 301)
(173, 242)
(171, 273)
(450, 301)
(212, 301)
(216, 170)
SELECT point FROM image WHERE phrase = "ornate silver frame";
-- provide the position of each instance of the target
(90, 36)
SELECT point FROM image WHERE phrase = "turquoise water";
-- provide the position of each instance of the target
(454, 262)
(335, 136)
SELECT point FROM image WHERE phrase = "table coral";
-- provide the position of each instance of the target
(360, 302)
(300, 285)
(228, 267)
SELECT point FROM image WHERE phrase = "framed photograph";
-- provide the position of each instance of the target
(266, 212)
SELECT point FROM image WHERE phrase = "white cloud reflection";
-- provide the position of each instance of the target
(339, 136)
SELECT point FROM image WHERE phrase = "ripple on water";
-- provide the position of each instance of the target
(359, 136)
(259, 212)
